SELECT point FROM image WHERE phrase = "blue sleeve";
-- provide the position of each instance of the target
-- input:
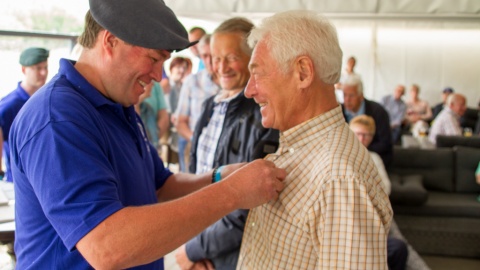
(221, 238)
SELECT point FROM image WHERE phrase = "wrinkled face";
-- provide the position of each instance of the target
(351, 98)
(363, 133)
(36, 75)
(206, 56)
(399, 91)
(178, 72)
(459, 106)
(128, 69)
(230, 62)
(273, 91)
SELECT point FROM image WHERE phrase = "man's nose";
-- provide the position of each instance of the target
(249, 89)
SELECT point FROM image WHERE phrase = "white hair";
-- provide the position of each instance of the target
(354, 81)
(294, 33)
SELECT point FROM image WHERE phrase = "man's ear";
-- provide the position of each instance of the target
(305, 71)
(109, 41)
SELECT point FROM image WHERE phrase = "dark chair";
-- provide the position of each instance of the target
(469, 118)
(451, 141)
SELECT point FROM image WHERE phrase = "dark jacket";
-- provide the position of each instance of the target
(382, 141)
(243, 138)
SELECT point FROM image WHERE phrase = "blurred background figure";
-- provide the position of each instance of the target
(439, 107)
(396, 108)
(346, 73)
(196, 33)
(356, 104)
(195, 90)
(178, 71)
(448, 121)
(417, 110)
(150, 114)
(34, 62)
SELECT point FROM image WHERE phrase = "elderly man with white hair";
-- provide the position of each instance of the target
(356, 104)
(334, 212)
(448, 121)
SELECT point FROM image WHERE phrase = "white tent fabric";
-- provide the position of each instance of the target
(432, 43)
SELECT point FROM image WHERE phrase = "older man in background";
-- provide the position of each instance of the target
(396, 108)
(448, 121)
(34, 63)
(356, 104)
(334, 212)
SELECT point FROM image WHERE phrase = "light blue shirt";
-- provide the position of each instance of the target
(350, 115)
(396, 109)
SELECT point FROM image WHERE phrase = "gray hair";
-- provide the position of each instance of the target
(294, 33)
(354, 81)
(237, 25)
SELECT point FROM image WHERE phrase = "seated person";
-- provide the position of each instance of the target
(396, 109)
(417, 110)
(355, 104)
(398, 251)
(439, 107)
(448, 121)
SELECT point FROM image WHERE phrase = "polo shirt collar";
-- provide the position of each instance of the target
(82, 86)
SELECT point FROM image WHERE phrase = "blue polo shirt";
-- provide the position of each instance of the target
(77, 158)
(9, 107)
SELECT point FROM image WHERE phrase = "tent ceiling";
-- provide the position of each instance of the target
(342, 9)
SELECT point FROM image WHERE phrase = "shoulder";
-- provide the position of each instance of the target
(374, 108)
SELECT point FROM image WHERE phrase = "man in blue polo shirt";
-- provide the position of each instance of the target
(87, 181)
(34, 63)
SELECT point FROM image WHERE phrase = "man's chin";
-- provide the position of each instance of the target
(266, 123)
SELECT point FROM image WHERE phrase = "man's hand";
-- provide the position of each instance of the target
(182, 259)
(256, 183)
(203, 265)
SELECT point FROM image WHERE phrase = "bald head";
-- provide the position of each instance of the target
(457, 103)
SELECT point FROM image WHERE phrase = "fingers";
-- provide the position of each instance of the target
(209, 265)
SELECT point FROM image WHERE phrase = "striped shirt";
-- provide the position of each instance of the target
(333, 212)
(446, 123)
(208, 139)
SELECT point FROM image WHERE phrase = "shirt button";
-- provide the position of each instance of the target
(252, 224)
(291, 150)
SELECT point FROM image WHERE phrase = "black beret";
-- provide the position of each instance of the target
(146, 23)
(33, 56)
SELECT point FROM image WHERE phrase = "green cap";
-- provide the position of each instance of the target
(32, 56)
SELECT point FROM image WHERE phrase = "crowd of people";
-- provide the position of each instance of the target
(281, 163)
(412, 116)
